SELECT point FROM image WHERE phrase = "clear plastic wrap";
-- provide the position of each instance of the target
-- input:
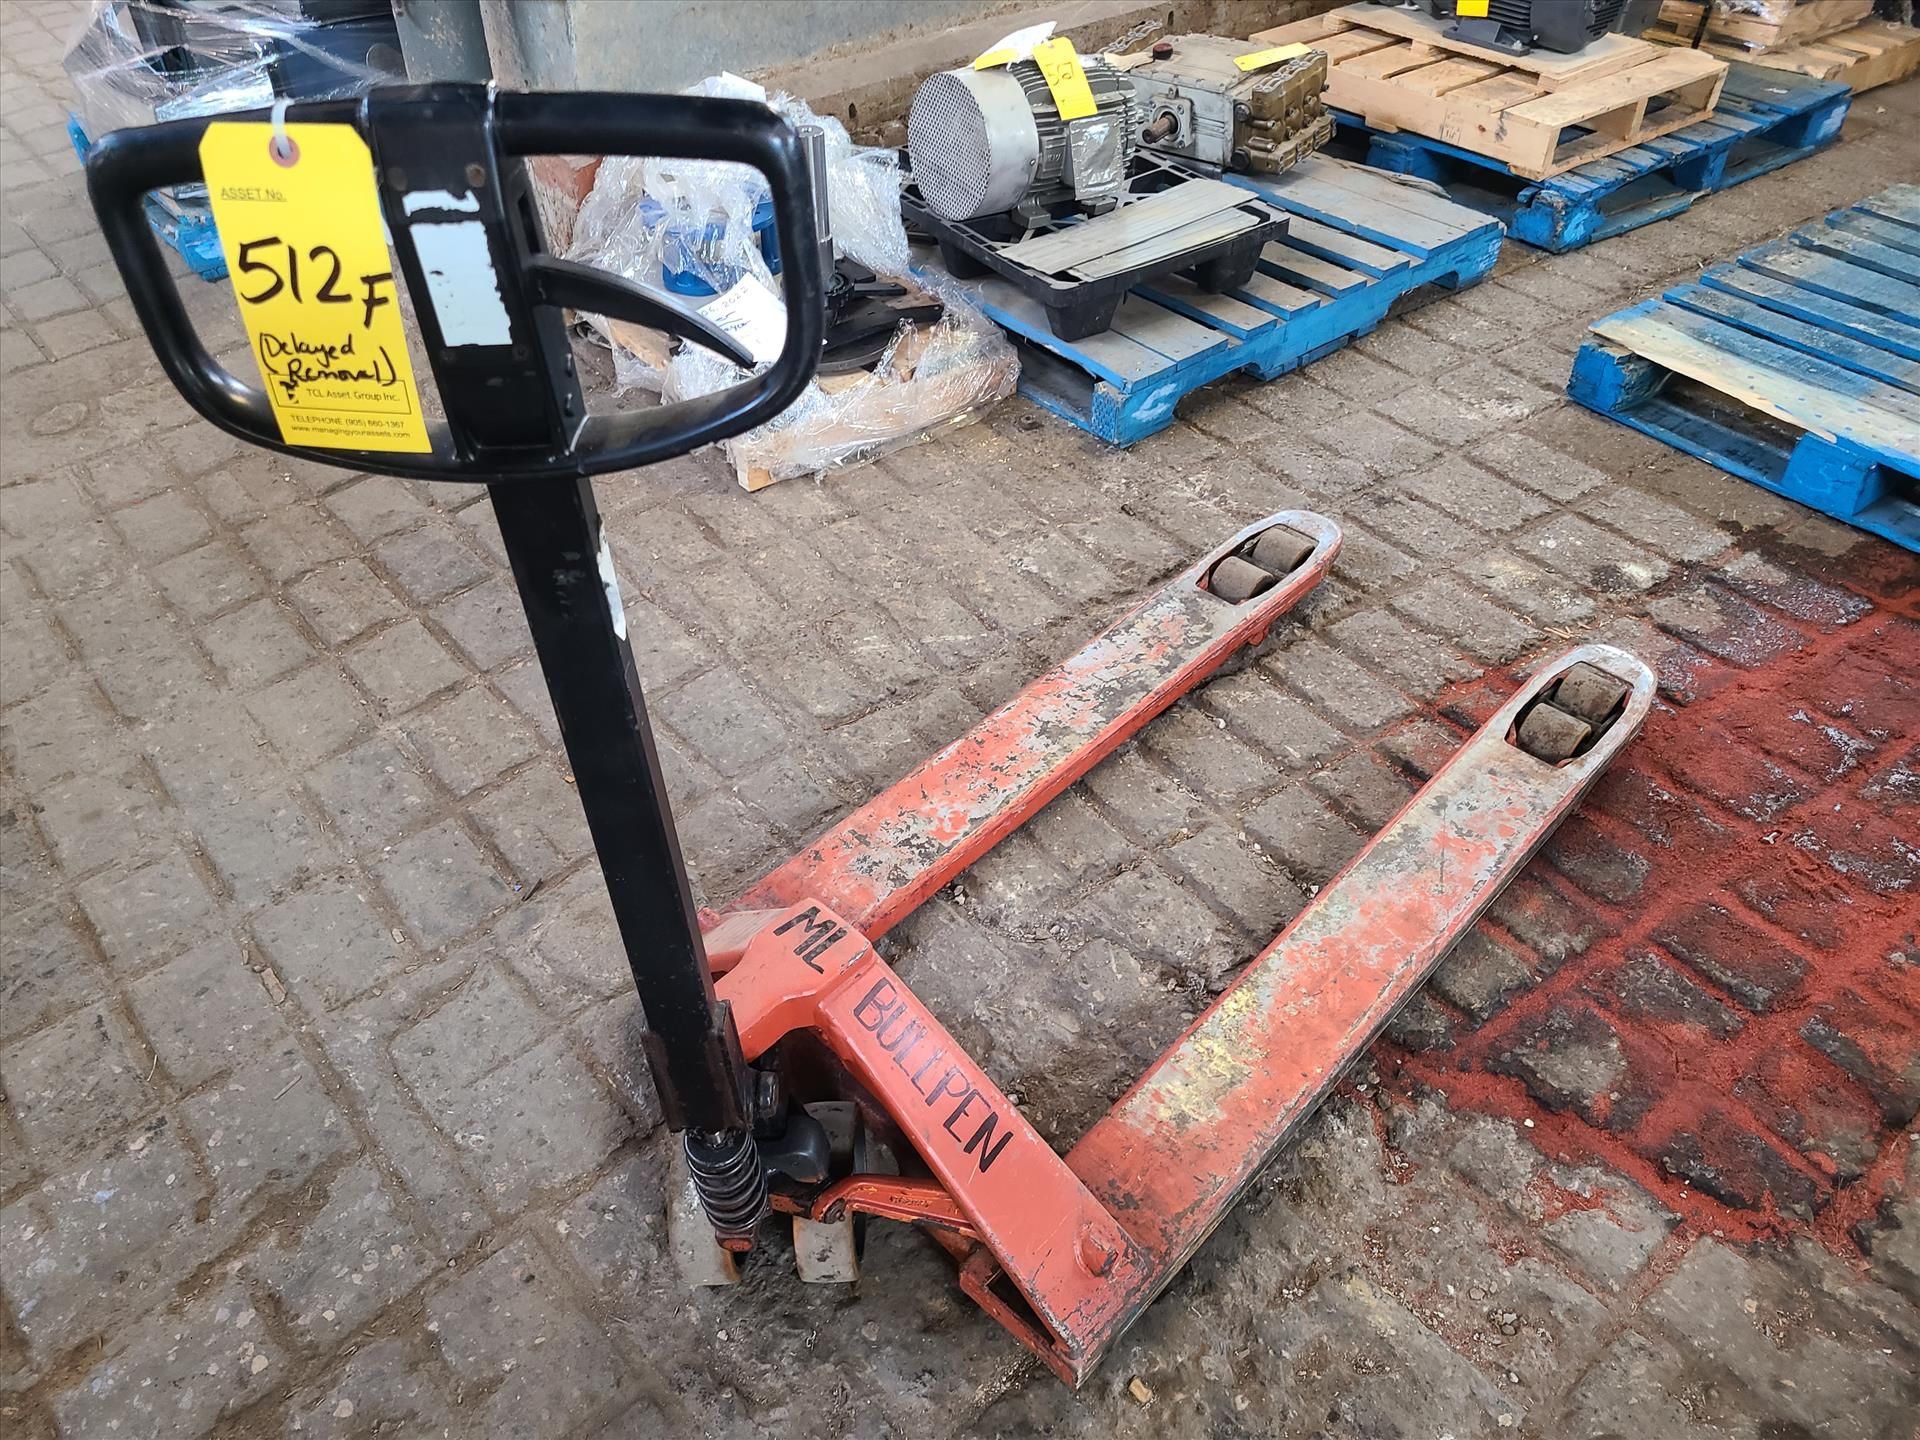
(1774, 12)
(932, 378)
(134, 62)
(1769, 24)
(697, 228)
(703, 230)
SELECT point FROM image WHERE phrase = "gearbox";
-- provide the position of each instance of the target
(1195, 98)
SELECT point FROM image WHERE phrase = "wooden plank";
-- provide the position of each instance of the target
(1309, 270)
(1372, 204)
(1832, 276)
(1795, 388)
(1379, 187)
(1902, 202)
(1160, 329)
(1774, 90)
(1373, 220)
(1290, 300)
(1501, 92)
(1886, 212)
(1869, 55)
(1236, 317)
(1889, 233)
(1868, 254)
(1817, 309)
(1574, 103)
(1310, 31)
(1109, 357)
(1816, 340)
(1604, 56)
(1386, 61)
(1445, 76)
(1324, 240)
(1113, 353)
(1352, 43)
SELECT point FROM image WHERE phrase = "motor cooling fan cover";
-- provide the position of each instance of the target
(974, 143)
(991, 141)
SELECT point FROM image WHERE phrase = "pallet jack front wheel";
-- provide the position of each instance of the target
(1551, 735)
(1588, 692)
(1280, 550)
(1235, 580)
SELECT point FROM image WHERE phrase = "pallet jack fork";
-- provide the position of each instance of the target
(789, 1056)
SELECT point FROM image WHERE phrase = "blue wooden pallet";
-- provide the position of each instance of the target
(1796, 367)
(1765, 119)
(1358, 241)
(187, 225)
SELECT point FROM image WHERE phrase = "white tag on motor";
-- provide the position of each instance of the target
(753, 315)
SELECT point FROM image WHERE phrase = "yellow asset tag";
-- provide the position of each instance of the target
(1260, 59)
(1470, 10)
(314, 280)
(1060, 64)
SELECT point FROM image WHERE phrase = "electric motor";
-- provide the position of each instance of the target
(1565, 26)
(988, 141)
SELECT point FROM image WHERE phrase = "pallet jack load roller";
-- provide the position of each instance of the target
(803, 1075)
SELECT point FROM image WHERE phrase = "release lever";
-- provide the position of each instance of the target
(569, 285)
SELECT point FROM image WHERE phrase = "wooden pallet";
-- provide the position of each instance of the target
(1796, 367)
(1765, 119)
(1538, 115)
(1876, 53)
(1358, 242)
(1795, 24)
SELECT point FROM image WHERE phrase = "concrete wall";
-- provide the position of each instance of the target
(858, 59)
(669, 44)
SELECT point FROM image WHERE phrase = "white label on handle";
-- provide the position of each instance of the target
(461, 283)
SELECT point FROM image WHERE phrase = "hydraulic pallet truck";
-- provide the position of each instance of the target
(785, 1051)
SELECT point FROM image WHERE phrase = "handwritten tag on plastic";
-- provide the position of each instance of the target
(753, 315)
(1260, 59)
(1066, 78)
(300, 225)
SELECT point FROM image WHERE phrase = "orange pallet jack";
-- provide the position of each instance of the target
(788, 1055)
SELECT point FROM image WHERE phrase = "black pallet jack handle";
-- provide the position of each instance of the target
(516, 420)
(444, 139)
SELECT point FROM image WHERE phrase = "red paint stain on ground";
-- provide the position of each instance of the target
(1741, 1033)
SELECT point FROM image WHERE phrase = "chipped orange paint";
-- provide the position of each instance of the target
(1072, 1263)
(1089, 1240)
(1175, 1153)
(885, 859)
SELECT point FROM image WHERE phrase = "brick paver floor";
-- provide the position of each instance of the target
(322, 1113)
